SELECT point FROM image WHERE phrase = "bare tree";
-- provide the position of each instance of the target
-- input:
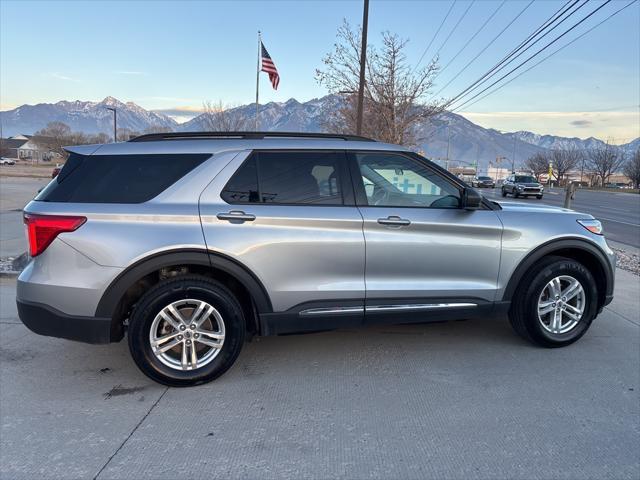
(538, 164)
(632, 169)
(158, 129)
(395, 92)
(604, 161)
(564, 160)
(125, 134)
(54, 136)
(218, 117)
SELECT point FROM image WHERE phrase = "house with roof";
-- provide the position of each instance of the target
(34, 148)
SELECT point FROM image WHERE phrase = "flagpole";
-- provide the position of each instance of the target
(258, 78)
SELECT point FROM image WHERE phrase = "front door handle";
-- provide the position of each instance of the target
(394, 221)
(236, 216)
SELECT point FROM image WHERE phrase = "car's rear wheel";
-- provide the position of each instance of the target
(555, 302)
(186, 331)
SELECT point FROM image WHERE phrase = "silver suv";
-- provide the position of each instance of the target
(191, 243)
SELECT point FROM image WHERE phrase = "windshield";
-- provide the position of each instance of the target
(484, 178)
(525, 179)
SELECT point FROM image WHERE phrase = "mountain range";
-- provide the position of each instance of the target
(468, 142)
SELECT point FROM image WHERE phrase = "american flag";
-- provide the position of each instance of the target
(269, 67)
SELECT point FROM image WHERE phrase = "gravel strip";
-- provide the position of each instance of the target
(627, 261)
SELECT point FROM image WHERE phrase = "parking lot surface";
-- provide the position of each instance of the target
(15, 193)
(464, 399)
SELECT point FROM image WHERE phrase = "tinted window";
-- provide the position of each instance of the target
(117, 178)
(396, 180)
(525, 179)
(287, 178)
(243, 186)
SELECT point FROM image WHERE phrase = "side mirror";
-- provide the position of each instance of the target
(471, 200)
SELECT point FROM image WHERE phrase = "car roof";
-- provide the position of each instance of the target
(220, 145)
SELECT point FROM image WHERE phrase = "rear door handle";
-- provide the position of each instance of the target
(236, 216)
(394, 220)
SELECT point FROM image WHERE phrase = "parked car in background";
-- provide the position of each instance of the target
(7, 161)
(522, 186)
(189, 243)
(483, 182)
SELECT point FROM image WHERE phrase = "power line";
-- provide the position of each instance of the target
(436, 34)
(455, 27)
(472, 37)
(535, 54)
(486, 47)
(510, 56)
(551, 55)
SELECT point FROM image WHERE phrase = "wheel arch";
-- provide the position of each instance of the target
(575, 248)
(113, 303)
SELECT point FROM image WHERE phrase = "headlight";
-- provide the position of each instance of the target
(594, 226)
(520, 187)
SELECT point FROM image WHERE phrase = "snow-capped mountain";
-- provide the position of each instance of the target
(87, 117)
(466, 141)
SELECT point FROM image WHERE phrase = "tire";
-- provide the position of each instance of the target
(504, 192)
(187, 291)
(516, 194)
(523, 313)
(539, 197)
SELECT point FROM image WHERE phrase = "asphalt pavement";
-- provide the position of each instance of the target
(15, 193)
(464, 399)
(619, 212)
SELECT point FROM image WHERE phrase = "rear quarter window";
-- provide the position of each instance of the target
(118, 178)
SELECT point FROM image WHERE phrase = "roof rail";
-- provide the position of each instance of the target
(153, 137)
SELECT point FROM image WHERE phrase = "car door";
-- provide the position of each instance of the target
(290, 218)
(423, 252)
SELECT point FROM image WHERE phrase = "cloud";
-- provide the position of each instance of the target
(618, 125)
(60, 76)
(180, 111)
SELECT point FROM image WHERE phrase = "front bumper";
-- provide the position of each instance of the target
(45, 320)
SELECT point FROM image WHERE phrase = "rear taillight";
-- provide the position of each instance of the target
(43, 229)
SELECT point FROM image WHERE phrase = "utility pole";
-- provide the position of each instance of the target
(115, 125)
(513, 159)
(448, 143)
(363, 61)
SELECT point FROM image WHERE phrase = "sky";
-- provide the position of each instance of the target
(172, 56)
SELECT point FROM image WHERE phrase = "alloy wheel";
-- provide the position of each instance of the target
(561, 304)
(187, 334)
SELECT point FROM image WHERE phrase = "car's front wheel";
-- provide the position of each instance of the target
(504, 192)
(555, 302)
(186, 330)
(539, 197)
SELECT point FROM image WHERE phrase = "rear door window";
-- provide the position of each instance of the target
(289, 178)
(118, 178)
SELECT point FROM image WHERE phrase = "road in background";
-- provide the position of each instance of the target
(618, 212)
(15, 193)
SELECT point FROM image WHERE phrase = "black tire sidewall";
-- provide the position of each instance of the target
(179, 289)
(531, 294)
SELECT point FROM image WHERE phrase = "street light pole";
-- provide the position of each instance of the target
(363, 60)
(115, 125)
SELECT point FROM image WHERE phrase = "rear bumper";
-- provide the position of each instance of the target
(45, 320)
